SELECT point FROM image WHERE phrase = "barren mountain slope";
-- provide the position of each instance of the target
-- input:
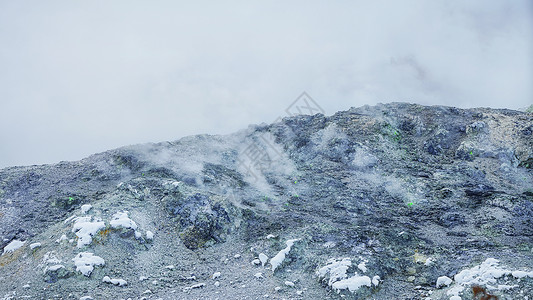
(394, 201)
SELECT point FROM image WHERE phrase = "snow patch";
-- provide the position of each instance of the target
(263, 258)
(337, 269)
(443, 281)
(121, 219)
(69, 219)
(277, 260)
(85, 208)
(149, 235)
(54, 268)
(375, 280)
(329, 244)
(485, 274)
(352, 284)
(85, 229)
(85, 262)
(62, 238)
(361, 266)
(115, 281)
(13, 246)
(35, 245)
(289, 283)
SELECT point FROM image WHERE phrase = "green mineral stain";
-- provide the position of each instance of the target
(410, 204)
(471, 153)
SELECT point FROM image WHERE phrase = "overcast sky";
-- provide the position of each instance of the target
(80, 77)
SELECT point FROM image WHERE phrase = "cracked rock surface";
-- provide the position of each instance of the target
(376, 202)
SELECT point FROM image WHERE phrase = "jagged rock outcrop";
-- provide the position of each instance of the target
(377, 202)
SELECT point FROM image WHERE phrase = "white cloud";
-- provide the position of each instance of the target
(82, 77)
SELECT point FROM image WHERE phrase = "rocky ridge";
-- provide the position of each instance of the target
(394, 201)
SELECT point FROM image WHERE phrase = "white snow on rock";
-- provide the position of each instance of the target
(375, 280)
(336, 269)
(196, 286)
(85, 262)
(13, 246)
(263, 258)
(54, 268)
(521, 274)
(258, 275)
(143, 278)
(443, 281)
(85, 208)
(289, 283)
(270, 236)
(149, 235)
(137, 235)
(69, 219)
(62, 238)
(86, 298)
(277, 260)
(121, 219)
(428, 262)
(338, 278)
(352, 284)
(114, 281)
(85, 229)
(215, 275)
(361, 266)
(256, 262)
(329, 244)
(35, 245)
(486, 274)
